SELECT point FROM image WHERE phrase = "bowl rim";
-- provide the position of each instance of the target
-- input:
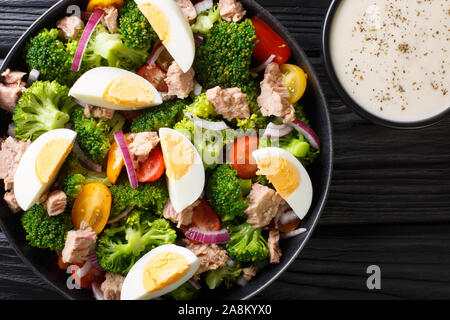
(347, 98)
(328, 166)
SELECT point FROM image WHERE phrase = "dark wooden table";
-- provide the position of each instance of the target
(389, 203)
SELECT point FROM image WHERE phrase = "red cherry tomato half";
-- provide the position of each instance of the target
(205, 218)
(241, 156)
(153, 168)
(155, 75)
(86, 281)
(268, 42)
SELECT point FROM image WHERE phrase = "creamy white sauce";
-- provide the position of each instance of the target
(393, 56)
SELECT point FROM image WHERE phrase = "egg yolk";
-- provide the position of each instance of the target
(157, 20)
(163, 269)
(178, 156)
(50, 159)
(129, 91)
(281, 173)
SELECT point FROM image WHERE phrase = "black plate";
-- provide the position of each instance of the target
(348, 99)
(43, 262)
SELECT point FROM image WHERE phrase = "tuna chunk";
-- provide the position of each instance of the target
(249, 273)
(274, 247)
(140, 146)
(187, 8)
(77, 246)
(11, 89)
(109, 19)
(56, 203)
(180, 218)
(180, 84)
(112, 286)
(12, 77)
(230, 103)
(102, 113)
(11, 152)
(11, 201)
(274, 98)
(231, 10)
(262, 205)
(211, 256)
(70, 26)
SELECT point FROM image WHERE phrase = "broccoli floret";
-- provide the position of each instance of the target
(94, 135)
(53, 58)
(202, 108)
(73, 176)
(206, 19)
(165, 115)
(120, 246)
(209, 143)
(224, 191)
(246, 243)
(44, 231)
(147, 196)
(294, 143)
(108, 49)
(224, 57)
(75, 182)
(186, 291)
(133, 25)
(43, 107)
(262, 180)
(226, 275)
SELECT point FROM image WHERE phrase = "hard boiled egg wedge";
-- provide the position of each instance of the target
(172, 28)
(288, 176)
(115, 88)
(40, 164)
(184, 168)
(160, 271)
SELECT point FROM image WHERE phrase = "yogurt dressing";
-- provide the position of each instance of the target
(393, 56)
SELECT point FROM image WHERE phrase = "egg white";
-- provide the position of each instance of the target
(181, 45)
(27, 187)
(186, 190)
(133, 287)
(300, 200)
(89, 88)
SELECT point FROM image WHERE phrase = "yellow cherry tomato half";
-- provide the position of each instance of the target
(115, 161)
(295, 80)
(93, 205)
(94, 4)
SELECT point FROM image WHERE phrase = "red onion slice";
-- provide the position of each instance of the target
(87, 33)
(157, 49)
(197, 89)
(195, 283)
(203, 5)
(94, 261)
(307, 132)
(208, 125)
(33, 76)
(122, 143)
(97, 291)
(263, 66)
(198, 39)
(11, 130)
(291, 234)
(123, 215)
(208, 237)
(287, 217)
(85, 160)
(275, 131)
